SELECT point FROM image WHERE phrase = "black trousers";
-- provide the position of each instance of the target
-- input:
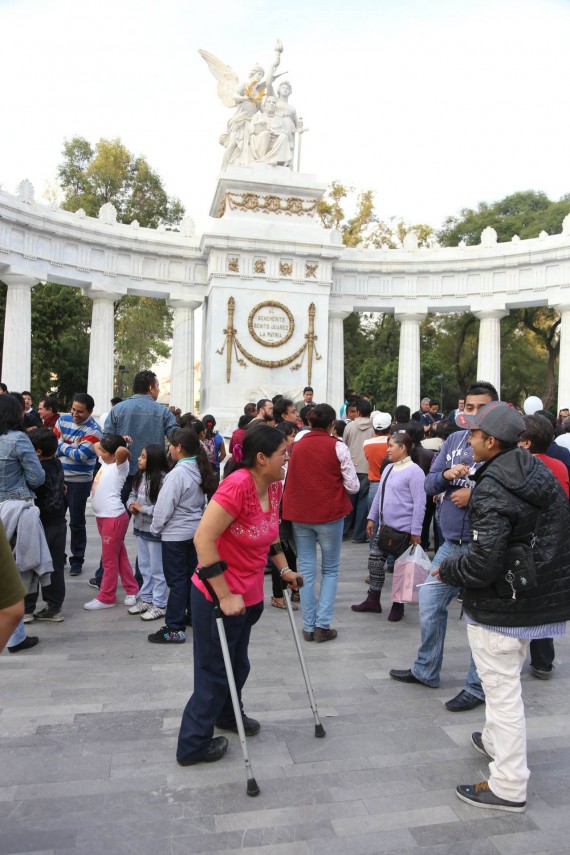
(54, 593)
(542, 653)
(179, 560)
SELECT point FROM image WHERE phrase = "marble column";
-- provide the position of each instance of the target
(335, 360)
(17, 352)
(182, 363)
(489, 351)
(101, 349)
(409, 360)
(564, 358)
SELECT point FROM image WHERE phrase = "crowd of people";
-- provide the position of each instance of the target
(488, 482)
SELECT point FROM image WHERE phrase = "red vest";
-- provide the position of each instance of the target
(314, 490)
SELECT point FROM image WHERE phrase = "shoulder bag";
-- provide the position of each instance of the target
(389, 540)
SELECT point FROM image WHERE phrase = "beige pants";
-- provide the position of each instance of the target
(499, 660)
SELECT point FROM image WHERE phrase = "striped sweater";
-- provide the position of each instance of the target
(75, 447)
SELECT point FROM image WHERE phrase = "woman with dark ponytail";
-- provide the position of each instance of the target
(239, 527)
(177, 512)
(213, 443)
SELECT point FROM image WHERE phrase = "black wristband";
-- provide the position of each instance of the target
(276, 548)
(211, 570)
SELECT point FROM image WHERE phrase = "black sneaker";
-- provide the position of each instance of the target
(28, 642)
(75, 570)
(51, 613)
(479, 795)
(477, 743)
(541, 673)
(165, 635)
(250, 725)
(93, 583)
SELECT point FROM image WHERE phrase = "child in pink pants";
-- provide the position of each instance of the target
(112, 522)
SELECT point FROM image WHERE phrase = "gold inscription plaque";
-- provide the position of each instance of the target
(271, 324)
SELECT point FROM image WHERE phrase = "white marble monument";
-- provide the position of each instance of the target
(274, 285)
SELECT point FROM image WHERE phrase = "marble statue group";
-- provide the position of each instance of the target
(263, 125)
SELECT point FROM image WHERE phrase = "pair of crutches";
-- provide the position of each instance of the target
(252, 785)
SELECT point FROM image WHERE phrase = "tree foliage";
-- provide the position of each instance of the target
(109, 172)
(90, 176)
(364, 228)
(525, 214)
(143, 327)
(61, 319)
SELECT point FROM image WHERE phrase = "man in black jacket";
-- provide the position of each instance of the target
(519, 513)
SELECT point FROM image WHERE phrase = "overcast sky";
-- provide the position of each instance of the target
(434, 104)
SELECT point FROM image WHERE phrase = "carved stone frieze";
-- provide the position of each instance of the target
(268, 204)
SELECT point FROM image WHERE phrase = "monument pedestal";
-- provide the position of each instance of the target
(266, 318)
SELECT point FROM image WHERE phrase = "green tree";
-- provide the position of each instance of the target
(364, 228)
(142, 327)
(61, 318)
(108, 172)
(90, 176)
(525, 214)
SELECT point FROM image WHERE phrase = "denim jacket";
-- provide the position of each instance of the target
(20, 469)
(144, 420)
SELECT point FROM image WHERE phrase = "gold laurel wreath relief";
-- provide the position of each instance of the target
(232, 345)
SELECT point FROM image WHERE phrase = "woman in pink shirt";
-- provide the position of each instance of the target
(239, 526)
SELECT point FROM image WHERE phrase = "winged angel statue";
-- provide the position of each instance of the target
(257, 131)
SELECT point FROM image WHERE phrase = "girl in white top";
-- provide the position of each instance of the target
(112, 522)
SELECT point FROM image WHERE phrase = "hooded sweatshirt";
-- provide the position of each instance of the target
(354, 435)
(454, 521)
(180, 503)
(516, 500)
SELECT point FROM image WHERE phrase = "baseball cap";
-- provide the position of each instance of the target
(381, 421)
(496, 419)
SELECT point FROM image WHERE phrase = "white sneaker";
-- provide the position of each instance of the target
(28, 618)
(139, 607)
(95, 605)
(153, 613)
(131, 599)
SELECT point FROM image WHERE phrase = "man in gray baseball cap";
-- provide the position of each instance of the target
(516, 580)
(497, 419)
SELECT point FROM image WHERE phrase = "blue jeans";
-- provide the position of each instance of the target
(149, 554)
(329, 537)
(77, 495)
(18, 635)
(434, 600)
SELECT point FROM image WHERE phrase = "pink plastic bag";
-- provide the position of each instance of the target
(411, 569)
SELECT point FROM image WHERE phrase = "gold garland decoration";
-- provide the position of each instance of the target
(231, 345)
(270, 363)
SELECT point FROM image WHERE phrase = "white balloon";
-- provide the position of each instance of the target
(531, 405)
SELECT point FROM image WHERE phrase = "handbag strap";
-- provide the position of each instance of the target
(382, 493)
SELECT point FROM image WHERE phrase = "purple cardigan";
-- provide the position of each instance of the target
(404, 501)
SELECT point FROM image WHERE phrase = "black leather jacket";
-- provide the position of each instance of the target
(515, 496)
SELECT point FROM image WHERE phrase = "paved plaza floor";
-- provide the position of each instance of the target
(89, 720)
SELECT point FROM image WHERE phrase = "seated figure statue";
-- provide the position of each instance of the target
(269, 136)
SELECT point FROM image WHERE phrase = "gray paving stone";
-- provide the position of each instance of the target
(89, 721)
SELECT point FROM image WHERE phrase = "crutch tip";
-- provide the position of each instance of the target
(252, 788)
(320, 731)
